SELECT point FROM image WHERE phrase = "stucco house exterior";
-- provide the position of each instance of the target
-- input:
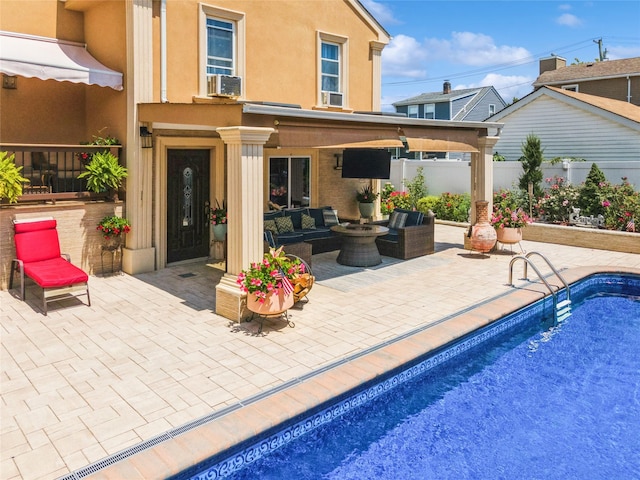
(571, 124)
(211, 103)
(615, 79)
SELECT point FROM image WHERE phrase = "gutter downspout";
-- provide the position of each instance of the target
(163, 51)
(628, 89)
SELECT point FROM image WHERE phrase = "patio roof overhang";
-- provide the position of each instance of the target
(52, 59)
(301, 128)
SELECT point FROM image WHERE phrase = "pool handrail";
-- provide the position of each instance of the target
(556, 272)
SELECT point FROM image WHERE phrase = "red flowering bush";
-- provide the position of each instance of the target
(114, 226)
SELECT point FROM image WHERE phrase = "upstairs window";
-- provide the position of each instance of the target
(571, 88)
(220, 47)
(330, 58)
(492, 109)
(412, 111)
(430, 110)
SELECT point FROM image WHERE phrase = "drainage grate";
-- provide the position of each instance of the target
(187, 275)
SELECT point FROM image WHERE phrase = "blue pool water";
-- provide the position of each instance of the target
(530, 401)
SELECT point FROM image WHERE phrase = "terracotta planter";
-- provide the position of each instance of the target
(483, 235)
(509, 235)
(275, 303)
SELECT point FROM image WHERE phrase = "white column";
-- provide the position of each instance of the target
(376, 87)
(482, 175)
(245, 208)
(139, 255)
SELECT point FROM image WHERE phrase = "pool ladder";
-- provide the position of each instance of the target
(562, 309)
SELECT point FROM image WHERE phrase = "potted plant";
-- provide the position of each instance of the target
(365, 197)
(218, 221)
(269, 284)
(508, 218)
(112, 229)
(104, 174)
(10, 178)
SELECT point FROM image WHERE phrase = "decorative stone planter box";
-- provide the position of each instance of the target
(573, 236)
(583, 237)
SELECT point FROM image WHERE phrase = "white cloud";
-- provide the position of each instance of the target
(381, 12)
(404, 57)
(508, 86)
(568, 20)
(475, 49)
(564, 6)
(619, 52)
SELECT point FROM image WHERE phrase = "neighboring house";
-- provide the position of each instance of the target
(469, 104)
(615, 79)
(571, 124)
(210, 102)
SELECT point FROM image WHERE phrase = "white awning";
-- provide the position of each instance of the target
(53, 59)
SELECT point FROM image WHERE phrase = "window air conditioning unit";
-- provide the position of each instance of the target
(332, 99)
(225, 85)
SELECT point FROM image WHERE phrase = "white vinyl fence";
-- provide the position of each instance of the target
(455, 176)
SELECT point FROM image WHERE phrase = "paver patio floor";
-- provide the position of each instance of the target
(150, 354)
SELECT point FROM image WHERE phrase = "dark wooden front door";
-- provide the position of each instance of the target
(187, 204)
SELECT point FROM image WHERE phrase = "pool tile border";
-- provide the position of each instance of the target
(177, 451)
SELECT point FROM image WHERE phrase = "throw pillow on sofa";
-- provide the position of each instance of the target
(397, 220)
(284, 224)
(271, 226)
(330, 217)
(308, 222)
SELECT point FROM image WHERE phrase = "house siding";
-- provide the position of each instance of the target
(480, 111)
(615, 88)
(567, 131)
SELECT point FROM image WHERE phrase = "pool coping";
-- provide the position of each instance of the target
(203, 439)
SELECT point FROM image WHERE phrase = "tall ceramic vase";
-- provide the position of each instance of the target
(483, 235)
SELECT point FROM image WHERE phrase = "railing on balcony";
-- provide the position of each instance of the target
(52, 170)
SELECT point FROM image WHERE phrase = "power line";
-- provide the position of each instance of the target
(497, 67)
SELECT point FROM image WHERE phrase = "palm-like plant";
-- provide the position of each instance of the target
(10, 178)
(104, 173)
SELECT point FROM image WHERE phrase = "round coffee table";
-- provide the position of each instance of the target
(359, 247)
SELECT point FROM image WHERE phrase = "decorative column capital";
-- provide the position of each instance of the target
(487, 142)
(245, 135)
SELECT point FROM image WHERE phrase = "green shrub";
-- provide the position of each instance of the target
(453, 206)
(591, 194)
(621, 206)
(427, 203)
(104, 173)
(10, 178)
(416, 188)
(531, 159)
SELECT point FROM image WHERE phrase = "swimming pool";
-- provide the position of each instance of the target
(477, 406)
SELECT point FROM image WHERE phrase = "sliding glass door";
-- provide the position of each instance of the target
(289, 181)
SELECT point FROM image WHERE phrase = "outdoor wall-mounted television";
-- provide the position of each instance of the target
(366, 163)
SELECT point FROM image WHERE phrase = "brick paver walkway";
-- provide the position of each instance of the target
(150, 355)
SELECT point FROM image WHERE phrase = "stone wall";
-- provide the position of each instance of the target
(77, 232)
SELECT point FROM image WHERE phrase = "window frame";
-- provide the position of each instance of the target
(290, 159)
(239, 44)
(427, 107)
(413, 111)
(572, 88)
(343, 57)
(492, 109)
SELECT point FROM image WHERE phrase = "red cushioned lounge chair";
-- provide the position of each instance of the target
(39, 258)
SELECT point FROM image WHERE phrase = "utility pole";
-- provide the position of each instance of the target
(602, 55)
